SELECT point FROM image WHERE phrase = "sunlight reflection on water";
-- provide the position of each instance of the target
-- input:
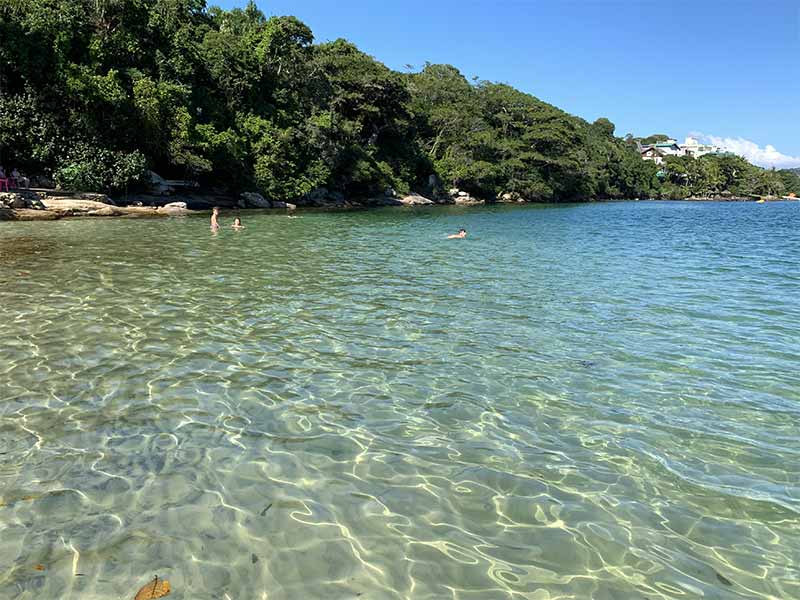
(591, 401)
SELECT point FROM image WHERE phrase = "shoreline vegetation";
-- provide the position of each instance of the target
(159, 107)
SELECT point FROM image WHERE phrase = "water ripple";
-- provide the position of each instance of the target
(593, 401)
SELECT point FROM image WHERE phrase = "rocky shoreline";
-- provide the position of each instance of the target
(50, 205)
(28, 205)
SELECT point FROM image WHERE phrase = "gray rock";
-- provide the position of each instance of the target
(21, 199)
(254, 200)
(505, 197)
(285, 205)
(442, 199)
(510, 197)
(323, 198)
(416, 200)
(316, 197)
(467, 200)
(332, 200)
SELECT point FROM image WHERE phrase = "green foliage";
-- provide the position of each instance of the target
(491, 139)
(791, 180)
(95, 91)
(715, 175)
(29, 134)
(654, 139)
(88, 167)
(282, 167)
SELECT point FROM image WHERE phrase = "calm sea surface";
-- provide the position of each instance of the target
(593, 401)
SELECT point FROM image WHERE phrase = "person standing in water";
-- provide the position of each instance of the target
(462, 233)
(214, 221)
(237, 224)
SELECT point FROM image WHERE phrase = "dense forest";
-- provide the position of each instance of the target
(93, 93)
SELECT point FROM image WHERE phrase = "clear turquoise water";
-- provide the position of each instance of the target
(592, 401)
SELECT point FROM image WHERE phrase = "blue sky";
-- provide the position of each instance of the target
(725, 69)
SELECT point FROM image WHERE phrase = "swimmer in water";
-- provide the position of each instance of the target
(237, 223)
(462, 233)
(214, 221)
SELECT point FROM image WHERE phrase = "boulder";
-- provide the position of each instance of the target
(443, 199)
(21, 199)
(322, 197)
(27, 214)
(72, 205)
(454, 191)
(415, 200)
(285, 205)
(255, 200)
(175, 208)
(510, 197)
(315, 197)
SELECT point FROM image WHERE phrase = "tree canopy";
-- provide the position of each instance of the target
(94, 92)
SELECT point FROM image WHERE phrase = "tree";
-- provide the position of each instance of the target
(791, 180)
(94, 91)
(655, 138)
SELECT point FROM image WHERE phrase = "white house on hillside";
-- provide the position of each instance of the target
(691, 147)
(652, 154)
(657, 152)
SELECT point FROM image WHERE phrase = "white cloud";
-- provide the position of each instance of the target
(768, 156)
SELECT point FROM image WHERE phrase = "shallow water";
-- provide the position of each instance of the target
(590, 401)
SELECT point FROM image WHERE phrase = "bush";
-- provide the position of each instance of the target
(29, 135)
(90, 168)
